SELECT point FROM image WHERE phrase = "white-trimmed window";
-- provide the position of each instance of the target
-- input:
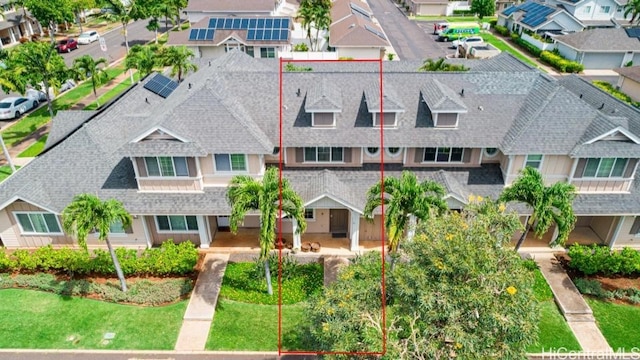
(38, 223)
(166, 166)
(230, 162)
(605, 9)
(619, 8)
(490, 152)
(586, 10)
(392, 151)
(323, 154)
(389, 118)
(267, 52)
(534, 161)
(605, 167)
(372, 151)
(310, 214)
(176, 223)
(443, 154)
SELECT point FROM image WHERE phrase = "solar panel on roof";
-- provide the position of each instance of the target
(251, 35)
(212, 23)
(161, 85)
(253, 23)
(276, 23)
(375, 31)
(210, 34)
(244, 23)
(284, 24)
(360, 11)
(260, 23)
(268, 23)
(193, 34)
(259, 34)
(236, 24)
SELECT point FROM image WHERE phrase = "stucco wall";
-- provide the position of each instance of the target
(359, 53)
(630, 87)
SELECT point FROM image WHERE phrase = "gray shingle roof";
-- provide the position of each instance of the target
(600, 39)
(64, 123)
(323, 96)
(441, 98)
(632, 72)
(163, 147)
(390, 99)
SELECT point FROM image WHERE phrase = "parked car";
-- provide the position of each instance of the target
(36, 95)
(466, 42)
(14, 107)
(67, 85)
(88, 37)
(439, 27)
(66, 45)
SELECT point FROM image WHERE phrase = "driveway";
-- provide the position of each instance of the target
(409, 39)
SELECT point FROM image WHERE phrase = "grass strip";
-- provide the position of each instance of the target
(35, 149)
(618, 323)
(503, 46)
(5, 171)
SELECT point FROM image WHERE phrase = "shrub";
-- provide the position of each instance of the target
(615, 93)
(527, 46)
(501, 30)
(560, 63)
(302, 47)
(591, 287)
(463, 13)
(493, 23)
(24, 261)
(600, 259)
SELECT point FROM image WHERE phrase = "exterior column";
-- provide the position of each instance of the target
(297, 243)
(616, 232)
(555, 234)
(354, 230)
(146, 231)
(205, 240)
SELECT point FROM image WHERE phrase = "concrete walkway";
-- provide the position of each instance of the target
(572, 305)
(202, 305)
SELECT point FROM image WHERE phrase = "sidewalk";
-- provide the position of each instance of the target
(572, 305)
(30, 139)
(202, 305)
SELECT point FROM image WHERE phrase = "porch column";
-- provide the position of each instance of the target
(555, 234)
(205, 240)
(354, 230)
(147, 237)
(297, 244)
(616, 232)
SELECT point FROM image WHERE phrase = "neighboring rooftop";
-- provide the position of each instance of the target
(353, 26)
(631, 72)
(609, 39)
(534, 14)
(231, 6)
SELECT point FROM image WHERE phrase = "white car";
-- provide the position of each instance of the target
(88, 37)
(470, 41)
(14, 107)
(36, 95)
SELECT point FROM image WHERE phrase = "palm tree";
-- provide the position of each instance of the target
(322, 18)
(406, 200)
(87, 67)
(142, 58)
(246, 193)
(87, 213)
(179, 58)
(306, 16)
(632, 7)
(549, 204)
(316, 13)
(441, 65)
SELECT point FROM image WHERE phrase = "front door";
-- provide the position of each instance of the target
(339, 219)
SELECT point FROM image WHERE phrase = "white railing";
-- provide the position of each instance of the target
(308, 55)
(544, 46)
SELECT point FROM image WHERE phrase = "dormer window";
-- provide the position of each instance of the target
(388, 119)
(444, 104)
(384, 111)
(323, 101)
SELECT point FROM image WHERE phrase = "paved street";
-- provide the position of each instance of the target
(407, 38)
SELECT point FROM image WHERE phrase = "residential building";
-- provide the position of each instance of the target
(169, 155)
(354, 32)
(602, 48)
(428, 7)
(16, 23)
(629, 81)
(537, 17)
(197, 10)
(594, 13)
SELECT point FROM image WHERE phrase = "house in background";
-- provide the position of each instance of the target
(602, 48)
(16, 23)
(629, 81)
(594, 13)
(257, 36)
(533, 16)
(354, 33)
(428, 7)
(169, 150)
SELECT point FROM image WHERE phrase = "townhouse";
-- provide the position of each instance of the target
(16, 23)
(168, 150)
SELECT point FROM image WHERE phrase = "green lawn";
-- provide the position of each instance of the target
(618, 323)
(5, 171)
(36, 148)
(503, 46)
(241, 326)
(117, 90)
(553, 329)
(451, 18)
(38, 320)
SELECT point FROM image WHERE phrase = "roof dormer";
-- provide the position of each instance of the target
(323, 101)
(386, 109)
(445, 104)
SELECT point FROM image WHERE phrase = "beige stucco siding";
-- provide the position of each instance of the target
(319, 225)
(210, 51)
(135, 238)
(556, 168)
(371, 230)
(360, 52)
(295, 157)
(631, 88)
(8, 235)
(624, 238)
(603, 226)
(158, 238)
(34, 240)
(212, 178)
(429, 9)
(597, 186)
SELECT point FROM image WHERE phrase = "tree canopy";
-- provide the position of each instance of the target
(50, 12)
(458, 290)
(441, 65)
(483, 8)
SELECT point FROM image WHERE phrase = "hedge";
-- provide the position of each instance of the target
(594, 288)
(501, 30)
(616, 93)
(560, 63)
(601, 260)
(526, 45)
(463, 13)
(168, 259)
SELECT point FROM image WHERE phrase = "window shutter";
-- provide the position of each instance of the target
(191, 165)
(419, 156)
(142, 169)
(580, 168)
(466, 155)
(635, 228)
(631, 166)
(299, 155)
(347, 154)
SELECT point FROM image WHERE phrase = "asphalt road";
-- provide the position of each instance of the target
(407, 38)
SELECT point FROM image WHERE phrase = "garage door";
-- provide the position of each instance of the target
(602, 61)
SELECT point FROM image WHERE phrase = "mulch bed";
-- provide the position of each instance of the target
(608, 282)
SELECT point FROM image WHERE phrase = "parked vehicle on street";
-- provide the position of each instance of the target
(14, 107)
(457, 31)
(36, 95)
(66, 45)
(440, 27)
(466, 42)
(88, 37)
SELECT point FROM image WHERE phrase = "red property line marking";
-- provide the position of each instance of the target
(382, 232)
